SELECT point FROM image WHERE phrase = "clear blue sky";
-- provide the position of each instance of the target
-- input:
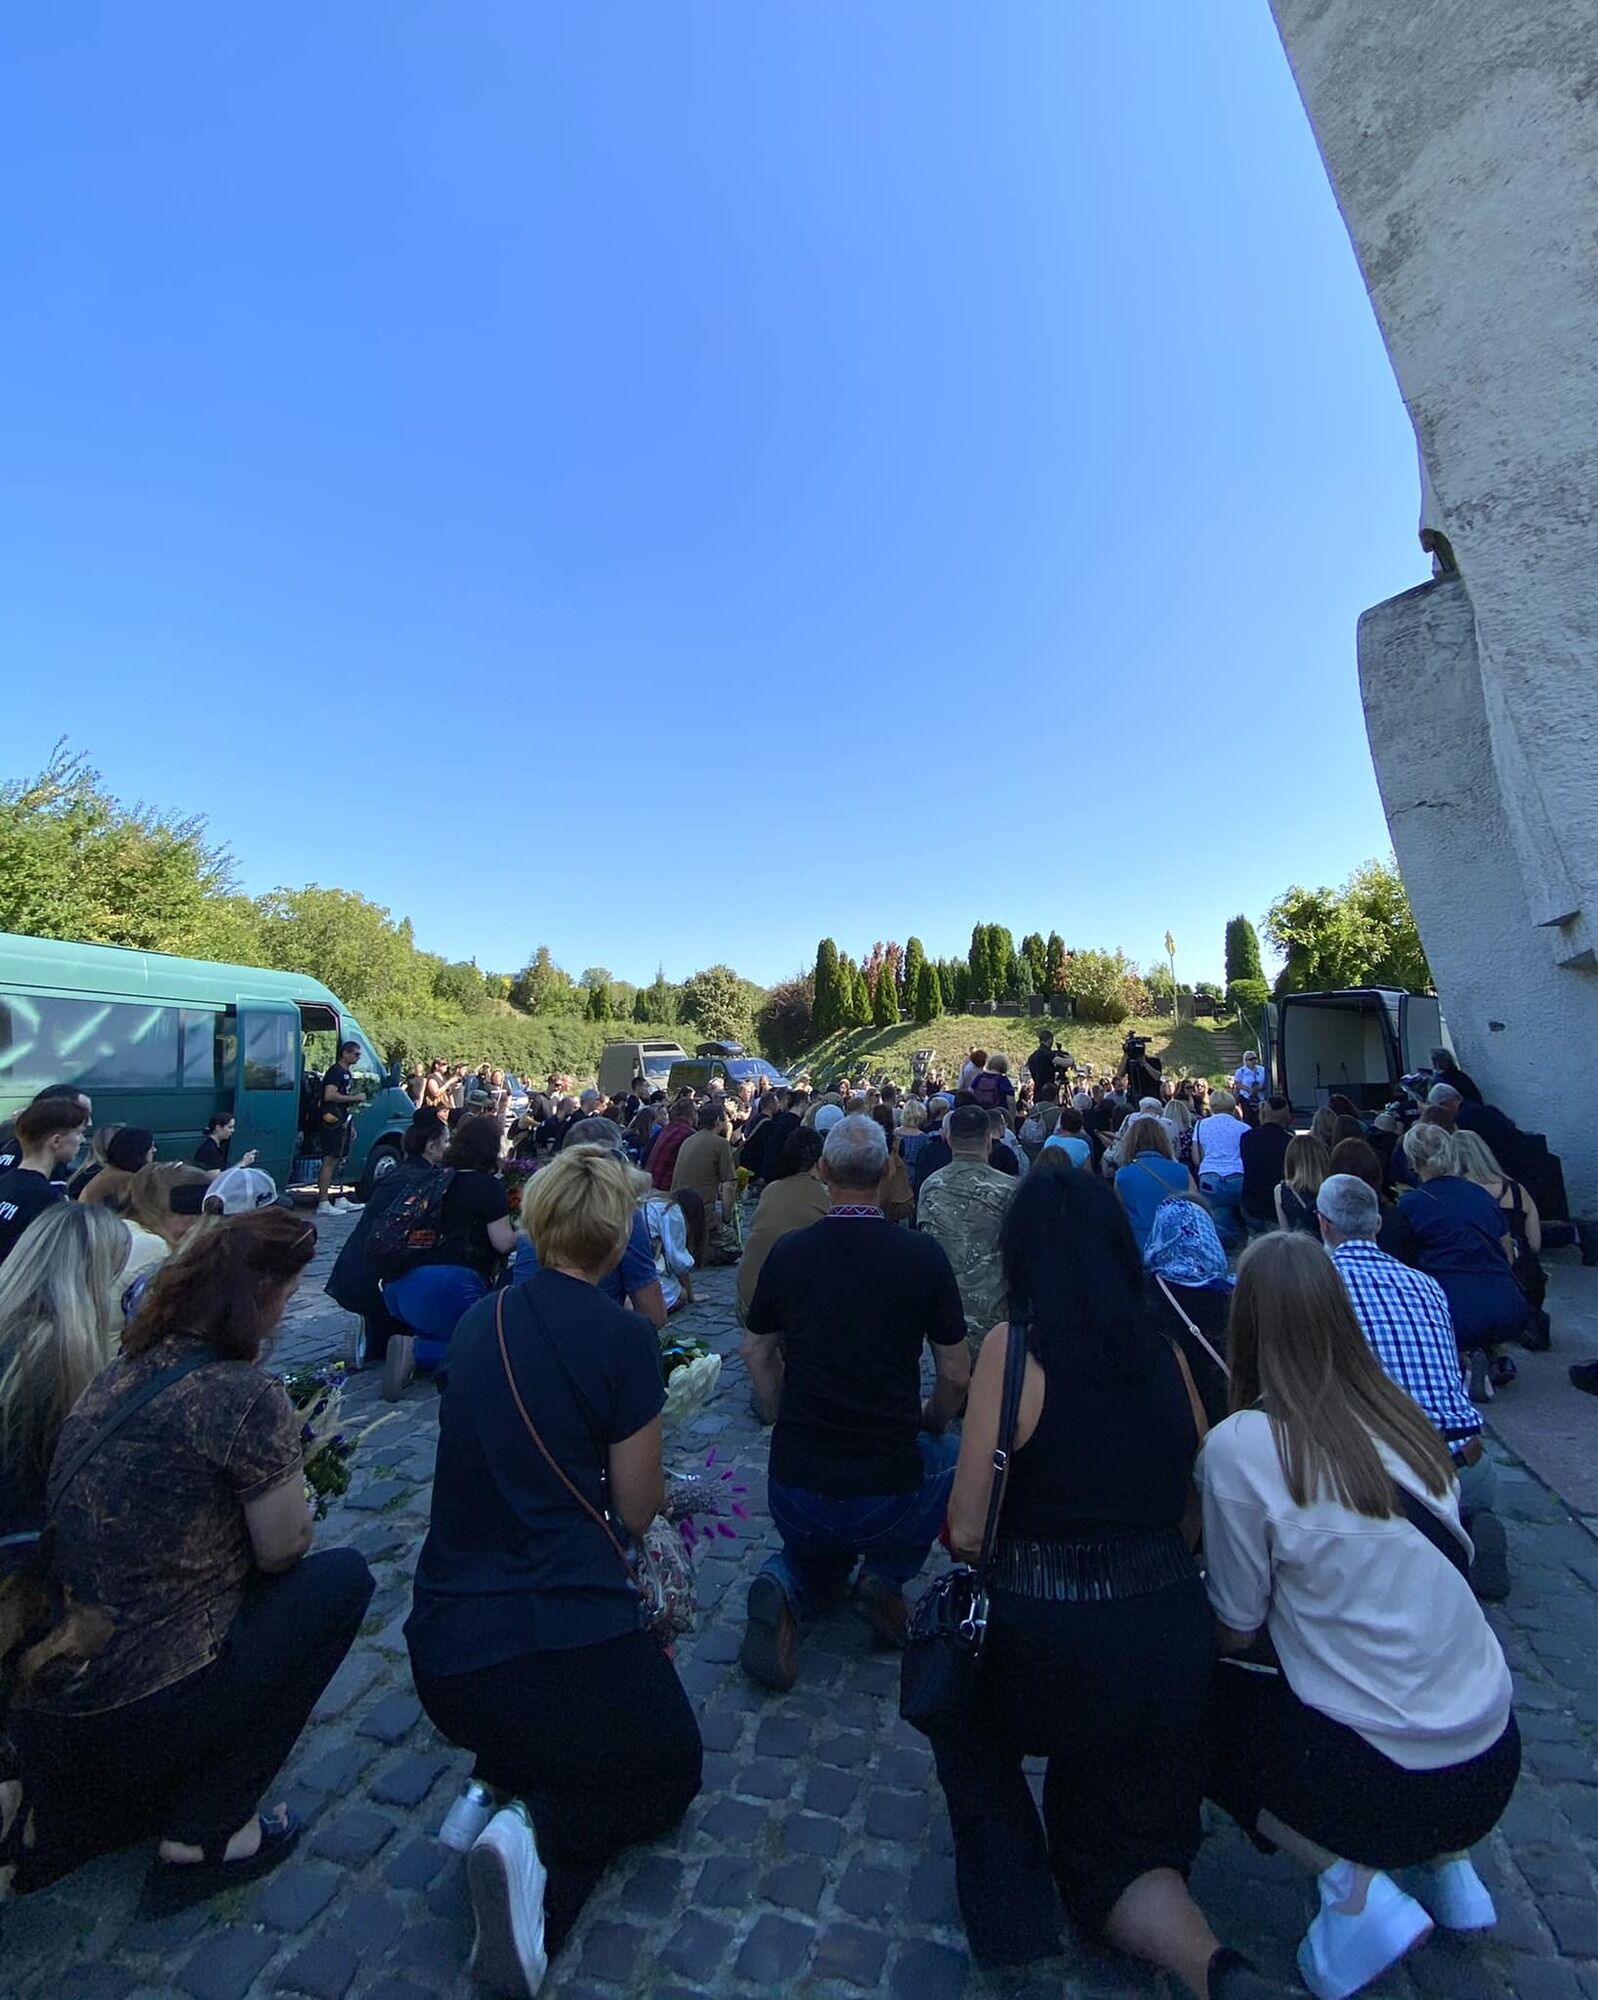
(545, 407)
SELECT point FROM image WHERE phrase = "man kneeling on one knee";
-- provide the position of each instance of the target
(860, 1470)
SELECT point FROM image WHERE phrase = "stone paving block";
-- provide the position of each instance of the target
(720, 1646)
(848, 1751)
(353, 1837)
(355, 1675)
(295, 1896)
(371, 1922)
(831, 1792)
(1543, 1979)
(610, 1951)
(336, 1769)
(720, 1729)
(923, 1971)
(398, 1989)
(1556, 1871)
(808, 1833)
(225, 1966)
(727, 1882)
(701, 1677)
(652, 1889)
(931, 1898)
(733, 1821)
(416, 1864)
(376, 1495)
(764, 1778)
(409, 1781)
(774, 1950)
(783, 1736)
(846, 1952)
(1574, 1922)
(437, 1950)
(696, 1949)
(450, 1896)
(911, 1770)
(796, 1885)
(163, 1935)
(1452, 1969)
(324, 1970)
(897, 1815)
(391, 1719)
(869, 1890)
(89, 1982)
(1563, 1762)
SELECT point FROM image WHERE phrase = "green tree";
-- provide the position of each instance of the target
(541, 987)
(928, 998)
(1024, 988)
(720, 1005)
(1100, 982)
(785, 1023)
(497, 985)
(961, 980)
(1054, 964)
(1036, 954)
(946, 984)
(980, 965)
(1363, 934)
(1001, 963)
(460, 987)
(859, 1015)
(598, 1007)
(348, 943)
(1242, 951)
(915, 956)
(885, 1000)
(74, 863)
(657, 1003)
(826, 1005)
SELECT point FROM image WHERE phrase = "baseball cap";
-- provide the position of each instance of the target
(238, 1190)
(828, 1116)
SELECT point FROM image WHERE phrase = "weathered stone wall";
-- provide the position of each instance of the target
(1524, 1026)
(1462, 143)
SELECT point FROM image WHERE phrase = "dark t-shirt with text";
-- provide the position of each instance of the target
(23, 1195)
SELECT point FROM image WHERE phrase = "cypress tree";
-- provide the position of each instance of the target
(1032, 950)
(1054, 964)
(981, 987)
(825, 1011)
(885, 1001)
(946, 984)
(928, 996)
(1242, 951)
(915, 956)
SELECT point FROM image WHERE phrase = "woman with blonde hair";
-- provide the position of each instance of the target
(1306, 1166)
(1323, 1126)
(60, 1322)
(1178, 1121)
(1382, 1737)
(1462, 1239)
(549, 1461)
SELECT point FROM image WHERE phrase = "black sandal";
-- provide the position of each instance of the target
(176, 1885)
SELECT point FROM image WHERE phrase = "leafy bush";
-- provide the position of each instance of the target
(1100, 982)
(1247, 996)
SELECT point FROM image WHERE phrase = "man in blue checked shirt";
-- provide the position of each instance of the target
(1405, 1318)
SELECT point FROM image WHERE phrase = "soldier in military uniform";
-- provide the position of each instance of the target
(962, 1206)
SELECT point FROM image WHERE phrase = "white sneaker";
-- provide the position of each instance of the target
(1456, 1895)
(467, 1817)
(507, 1879)
(343, 1206)
(1340, 1954)
(399, 1364)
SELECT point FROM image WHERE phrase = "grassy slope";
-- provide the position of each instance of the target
(1191, 1048)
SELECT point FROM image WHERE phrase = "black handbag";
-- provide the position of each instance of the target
(943, 1652)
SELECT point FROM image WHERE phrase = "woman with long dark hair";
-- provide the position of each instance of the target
(1384, 1737)
(1099, 1642)
(180, 1528)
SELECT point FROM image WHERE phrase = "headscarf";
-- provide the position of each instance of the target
(1184, 1249)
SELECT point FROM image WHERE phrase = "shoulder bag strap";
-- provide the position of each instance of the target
(1004, 1444)
(1192, 1328)
(548, 1456)
(1201, 1422)
(1436, 1531)
(163, 1378)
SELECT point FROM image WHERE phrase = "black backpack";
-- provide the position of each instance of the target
(411, 1229)
(312, 1085)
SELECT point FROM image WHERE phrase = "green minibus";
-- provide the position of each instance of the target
(165, 1042)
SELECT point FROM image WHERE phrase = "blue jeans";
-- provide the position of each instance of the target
(822, 1536)
(1224, 1192)
(430, 1301)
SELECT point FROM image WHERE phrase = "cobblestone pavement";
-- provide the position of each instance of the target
(817, 1859)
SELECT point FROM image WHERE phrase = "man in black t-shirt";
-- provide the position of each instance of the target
(860, 1470)
(339, 1101)
(1264, 1149)
(49, 1134)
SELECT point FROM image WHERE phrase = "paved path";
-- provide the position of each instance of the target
(817, 1859)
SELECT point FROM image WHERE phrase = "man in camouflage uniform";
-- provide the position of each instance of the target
(962, 1206)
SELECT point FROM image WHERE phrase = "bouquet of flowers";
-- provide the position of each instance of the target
(516, 1174)
(691, 1372)
(317, 1395)
(698, 1504)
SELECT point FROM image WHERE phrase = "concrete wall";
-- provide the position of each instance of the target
(1523, 1025)
(1462, 143)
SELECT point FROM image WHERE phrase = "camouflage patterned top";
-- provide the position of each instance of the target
(962, 1206)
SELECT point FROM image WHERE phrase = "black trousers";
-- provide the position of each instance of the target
(192, 1761)
(598, 1742)
(1116, 1697)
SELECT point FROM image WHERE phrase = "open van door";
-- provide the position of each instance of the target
(266, 1084)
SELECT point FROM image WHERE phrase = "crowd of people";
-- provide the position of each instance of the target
(1245, 1525)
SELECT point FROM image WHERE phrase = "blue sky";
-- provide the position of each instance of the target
(705, 475)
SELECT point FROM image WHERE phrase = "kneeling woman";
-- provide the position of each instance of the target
(1331, 1520)
(180, 1529)
(525, 1634)
(1099, 1655)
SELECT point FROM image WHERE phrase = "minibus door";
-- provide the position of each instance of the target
(267, 1085)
